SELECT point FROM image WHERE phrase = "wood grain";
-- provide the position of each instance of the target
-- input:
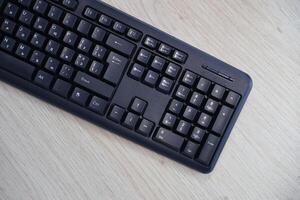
(46, 153)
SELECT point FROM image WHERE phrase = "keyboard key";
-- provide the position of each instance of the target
(169, 120)
(120, 44)
(189, 78)
(81, 61)
(23, 33)
(84, 27)
(66, 71)
(38, 40)
(208, 149)
(67, 54)
(218, 92)
(190, 113)
(134, 34)
(131, 120)
(43, 79)
(99, 52)
(23, 51)
(137, 71)
(165, 49)
(119, 27)
(11, 10)
(37, 58)
(173, 70)
(116, 114)
(151, 42)
(204, 120)
(55, 31)
(40, 24)
(70, 38)
(165, 85)
(69, 20)
(55, 13)
(203, 85)
(105, 20)
(232, 98)
(40, 6)
(179, 56)
(182, 92)
(197, 134)
(144, 56)
(145, 128)
(8, 44)
(222, 120)
(8, 26)
(25, 3)
(94, 84)
(211, 106)
(116, 66)
(90, 13)
(52, 47)
(183, 127)
(196, 99)
(98, 34)
(138, 106)
(98, 105)
(26, 17)
(71, 4)
(96, 68)
(52, 64)
(175, 106)
(168, 138)
(158, 63)
(85, 45)
(62, 88)
(151, 78)
(80, 96)
(191, 149)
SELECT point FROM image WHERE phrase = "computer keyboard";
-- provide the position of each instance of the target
(122, 74)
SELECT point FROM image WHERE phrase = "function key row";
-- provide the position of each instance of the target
(165, 49)
(113, 24)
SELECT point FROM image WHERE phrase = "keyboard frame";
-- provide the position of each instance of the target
(241, 83)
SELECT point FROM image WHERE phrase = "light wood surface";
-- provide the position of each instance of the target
(46, 153)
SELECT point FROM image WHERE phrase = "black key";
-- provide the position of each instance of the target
(204, 120)
(43, 79)
(38, 40)
(120, 44)
(25, 3)
(84, 27)
(134, 34)
(218, 92)
(170, 139)
(197, 134)
(26, 17)
(191, 149)
(40, 6)
(90, 13)
(41, 24)
(189, 78)
(232, 98)
(151, 42)
(81, 61)
(190, 113)
(145, 128)
(99, 52)
(203, 85)
(116, 114)
(115, 68)
(23, 51)
(52, 64)
(98, 105)
(55, 13)
(55, 31)
(11, 10)
(94, 85)
(98, 34)
(105, 20)
(222, 120)
(119, 27)
(196, 99)
(211, 106)
(208, 149)
(183, 127)
(37, 58)
(165, 49)
(71, 4)
(23, 33)
(67, 54)
(85, 45)
(158, 63)
(80, 96)
(169, 120)
(144, 56)
(137, 71)
(182, 92)
(62, 88)
(70, 38)
(130, 120)
(66, 71)
(165, 85)
(8, 44)
(173, 70)
(16, 66)
(138, 106)
(179, 56)
(175, 106)
(96, 68)
(8, 26)
(151, 78)
(52, 47)
(69, 20)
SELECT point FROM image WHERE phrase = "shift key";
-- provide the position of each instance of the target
(116, 65)
(120, 44)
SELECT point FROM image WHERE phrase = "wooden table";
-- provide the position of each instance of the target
(46, 153)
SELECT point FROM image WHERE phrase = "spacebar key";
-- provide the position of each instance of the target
(16, 66)
(170, 139)
(94, 85)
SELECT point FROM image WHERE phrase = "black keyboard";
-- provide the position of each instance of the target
(122, 74)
